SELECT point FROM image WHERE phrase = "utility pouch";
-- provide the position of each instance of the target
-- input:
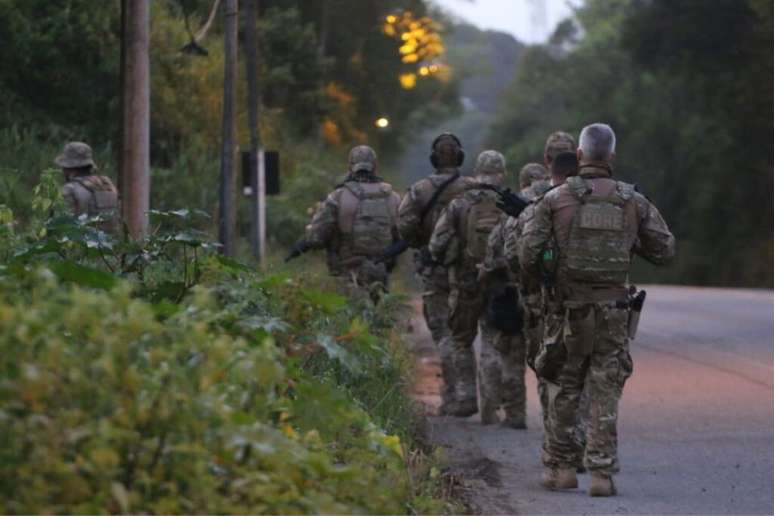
(550, 358)
(579, 330)
(504, 312)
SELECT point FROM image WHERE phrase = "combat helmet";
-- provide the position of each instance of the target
(362, 159)
(490, 165)
(530, 173)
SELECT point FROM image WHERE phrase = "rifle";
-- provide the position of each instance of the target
(509, 202)
(297, 250)
(401, 246)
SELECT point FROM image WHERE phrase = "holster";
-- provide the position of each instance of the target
(633, 324)
(636, 303)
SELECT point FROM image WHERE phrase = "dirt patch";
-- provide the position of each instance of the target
(479, 469)
(473, 478)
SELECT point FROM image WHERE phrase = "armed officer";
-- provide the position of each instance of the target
(85, 191)
(417, 216)
(355, 223)
(459, 241)
(597, 224)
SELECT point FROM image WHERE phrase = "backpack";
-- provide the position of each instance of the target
(369, 231)
(481, 219)
(104, 196)
(599, 246)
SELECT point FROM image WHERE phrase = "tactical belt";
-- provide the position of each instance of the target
(580, 295)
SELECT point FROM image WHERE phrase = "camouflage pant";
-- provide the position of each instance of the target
(367, 280)
(501, 372)
(501, 368)
(435, 308)
(465, 308)
(598, 356)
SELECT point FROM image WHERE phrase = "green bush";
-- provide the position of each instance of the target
(106, 408)
(162, 377)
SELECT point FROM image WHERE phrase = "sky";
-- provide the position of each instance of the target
(513, 16)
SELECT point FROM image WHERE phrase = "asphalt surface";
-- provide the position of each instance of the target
(696, 423)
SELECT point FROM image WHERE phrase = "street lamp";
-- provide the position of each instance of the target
(382, 123)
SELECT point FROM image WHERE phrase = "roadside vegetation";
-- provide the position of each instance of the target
(159, 376)
(165, 378)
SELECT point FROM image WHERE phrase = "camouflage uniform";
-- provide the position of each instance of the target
(504, 372)
(540, 310)
(416, 232)
(85, 192)
(460, 240)
(597, 223)
(355, 223)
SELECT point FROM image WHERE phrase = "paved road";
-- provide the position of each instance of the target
(696, 424)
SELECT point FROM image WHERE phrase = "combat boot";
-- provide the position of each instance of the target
(602, 485)
(515, 420)
(560, 478)
(464, 408)
(489, 414)
(448, 402)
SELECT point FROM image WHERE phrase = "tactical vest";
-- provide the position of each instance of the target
(481, 218)
(365, 219)
(104, 196)
(599, 247)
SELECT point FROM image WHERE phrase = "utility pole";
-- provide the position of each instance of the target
(229, 147)
(135, 141)
(257, 181)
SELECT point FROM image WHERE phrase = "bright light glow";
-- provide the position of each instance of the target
(424, 71)
(408, 81)
(392, 19)
(383, 123)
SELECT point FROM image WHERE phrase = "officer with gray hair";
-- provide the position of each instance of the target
(597, 224)
(597, 143)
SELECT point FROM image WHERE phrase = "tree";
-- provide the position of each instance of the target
(134, 186)
(228, 140)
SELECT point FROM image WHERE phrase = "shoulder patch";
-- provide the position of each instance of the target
(626, 190)
(577, 186)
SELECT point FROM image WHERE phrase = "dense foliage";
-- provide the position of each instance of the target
(328, 70)
(160, 377)
(686, 85)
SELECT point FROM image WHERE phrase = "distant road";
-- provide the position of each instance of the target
(696, 425)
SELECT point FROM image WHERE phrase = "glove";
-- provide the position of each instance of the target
(392, 252)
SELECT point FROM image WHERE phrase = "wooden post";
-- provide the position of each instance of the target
(135, 144)
(229, 145)
(253, 105)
